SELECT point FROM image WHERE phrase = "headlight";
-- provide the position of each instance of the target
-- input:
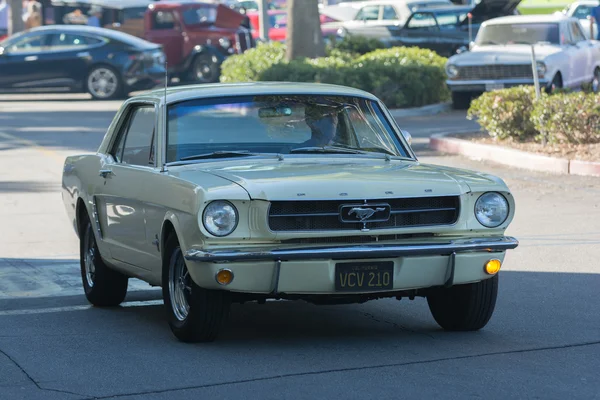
(491, 209)
(341, 32)
(541, 68)
(220, 218)
(452, 71)
(225, 43)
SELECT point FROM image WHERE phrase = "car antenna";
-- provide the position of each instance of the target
(164, 168)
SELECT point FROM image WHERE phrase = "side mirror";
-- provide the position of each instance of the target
(407, 136)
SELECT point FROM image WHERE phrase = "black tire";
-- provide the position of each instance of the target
(595, 84)
(461, 100)
(204, 69)
(464, 307)
(208, 309)
(103, 286)
(112, 77)
(556, 83)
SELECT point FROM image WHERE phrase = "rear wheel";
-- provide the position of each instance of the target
(461, 100)
(103, 287)
(103, 83)
(464, 307)
(205, 69)
(195, 314)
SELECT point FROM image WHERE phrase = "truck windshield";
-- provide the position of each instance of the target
(282, 124)
(199, 16)
(502, 34)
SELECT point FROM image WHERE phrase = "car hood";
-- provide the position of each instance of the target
(509, 54)
(356, 179)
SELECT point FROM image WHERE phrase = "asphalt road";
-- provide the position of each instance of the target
(542, 342)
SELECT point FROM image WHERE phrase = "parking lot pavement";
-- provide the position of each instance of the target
(543, 340)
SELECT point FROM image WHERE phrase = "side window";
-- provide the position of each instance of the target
(136, 141)
(368, 13)
(163, 20)
(576, 33)
(30, 44)
(422, 21)
(67, 41)
(582, 12)
(389, 13)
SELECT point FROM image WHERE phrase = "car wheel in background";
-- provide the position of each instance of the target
(555, 84)
(195, 314)
(461, 100)
(596, 81)
(103, 287)
(464, 307)
(205, 69)
(103, 83)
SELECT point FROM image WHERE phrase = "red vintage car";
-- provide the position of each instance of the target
(278, 25)
(196, 37)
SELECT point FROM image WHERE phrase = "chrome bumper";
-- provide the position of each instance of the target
(487, 85)
(365, 251)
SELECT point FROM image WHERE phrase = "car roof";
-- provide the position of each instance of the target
(108, 33)
(524, 19)
(436, 9)
(389, 2)
(191, 92)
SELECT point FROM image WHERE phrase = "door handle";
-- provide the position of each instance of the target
(31, 58)
(106, 172)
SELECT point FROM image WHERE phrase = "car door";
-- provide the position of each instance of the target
(119, 198)
(421, 30)
(579, 56)
(19, 61)
(366, 22)
(68, 58)
(166, 30)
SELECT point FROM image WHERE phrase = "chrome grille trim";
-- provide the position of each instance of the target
(494, 72)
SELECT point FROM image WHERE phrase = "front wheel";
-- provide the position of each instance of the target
(461, 100)
(195, 314)
(103, 287)
(205, 69)
(596, 81)
(103, 83)
(464, 307)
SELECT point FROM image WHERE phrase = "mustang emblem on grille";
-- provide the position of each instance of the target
(363, 213)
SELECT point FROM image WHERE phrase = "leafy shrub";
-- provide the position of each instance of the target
(247, 66)
(506, 113)
(358, 45)
(400, 77)
(569, 118)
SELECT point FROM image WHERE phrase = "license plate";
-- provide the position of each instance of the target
(364, 276)
(493, 86)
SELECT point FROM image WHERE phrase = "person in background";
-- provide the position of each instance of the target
(95, 16)
(3, 18)
(596, 18)
(75, 18)
(33, 15)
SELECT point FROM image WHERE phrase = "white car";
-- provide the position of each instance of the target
(582, 10)
(501, 56)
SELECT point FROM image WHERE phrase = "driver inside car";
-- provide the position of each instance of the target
(323, 122)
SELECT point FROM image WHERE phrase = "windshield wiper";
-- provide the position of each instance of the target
(219, 154)
(326, 149)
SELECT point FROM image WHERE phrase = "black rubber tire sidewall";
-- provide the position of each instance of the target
(461, 100)
(215, 69)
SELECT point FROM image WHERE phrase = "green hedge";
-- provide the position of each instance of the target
(358, 45)
(563, 117)
(400, 77)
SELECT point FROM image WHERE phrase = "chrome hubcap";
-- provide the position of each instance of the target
(180, 287)
(102, 83)
(203, 71)
(89, 252)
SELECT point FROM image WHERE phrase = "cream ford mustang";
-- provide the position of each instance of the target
(247, 192)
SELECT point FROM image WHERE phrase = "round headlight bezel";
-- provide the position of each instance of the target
(452, 71)
(499, 195)
(225, 42)
(225, 203)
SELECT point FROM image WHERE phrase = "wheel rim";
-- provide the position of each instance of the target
(180, 287)
(203, 70)
(89, 253)
(102, 83)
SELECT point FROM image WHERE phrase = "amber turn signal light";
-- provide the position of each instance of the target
(224, 277)
(492, 267)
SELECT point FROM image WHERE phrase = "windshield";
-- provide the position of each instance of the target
(199, 15)
(532, 33)
(286, 124)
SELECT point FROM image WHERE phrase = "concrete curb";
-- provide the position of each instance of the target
(513, 158)
(431, 109)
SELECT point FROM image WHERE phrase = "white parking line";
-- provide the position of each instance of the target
(76, 308)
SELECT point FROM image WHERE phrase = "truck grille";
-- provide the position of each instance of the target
(325, 215)
(243, 40)
(477, 72)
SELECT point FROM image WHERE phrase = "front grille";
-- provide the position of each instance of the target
(325, 215)
(356, 239)
(243, 40)
(498, 71)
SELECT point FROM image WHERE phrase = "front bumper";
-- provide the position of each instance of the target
(145, 79)
(488, 85)
(311, 270)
